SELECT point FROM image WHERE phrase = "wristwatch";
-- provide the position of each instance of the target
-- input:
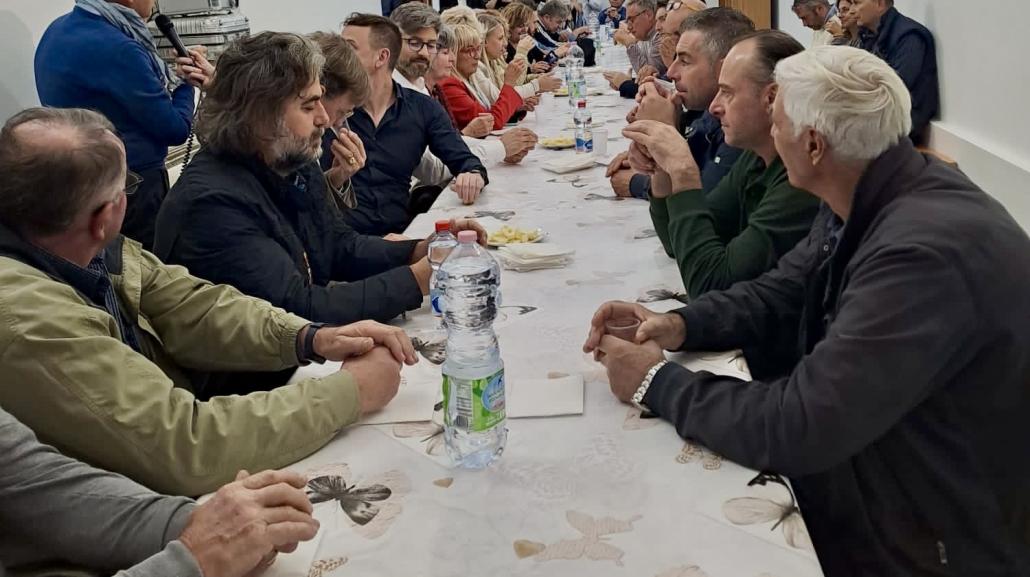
(309, 353)
(638, 397)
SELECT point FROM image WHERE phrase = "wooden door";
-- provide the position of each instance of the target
(760, 11)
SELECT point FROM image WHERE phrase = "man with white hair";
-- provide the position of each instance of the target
(820, 16)
(901, 417)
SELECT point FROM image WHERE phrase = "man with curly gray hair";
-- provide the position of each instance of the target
(900, 410)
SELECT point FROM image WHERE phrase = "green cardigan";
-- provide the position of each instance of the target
(739, 230)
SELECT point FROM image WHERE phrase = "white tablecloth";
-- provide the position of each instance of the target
(602, 493)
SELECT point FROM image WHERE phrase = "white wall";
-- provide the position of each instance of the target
(985, 122)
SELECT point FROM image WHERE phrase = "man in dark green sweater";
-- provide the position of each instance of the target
(753, 216)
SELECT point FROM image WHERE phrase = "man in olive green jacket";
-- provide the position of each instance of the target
(101, 343)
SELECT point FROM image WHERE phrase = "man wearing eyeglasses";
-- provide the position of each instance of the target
(397, 126)
(420, 28)
(637, 33)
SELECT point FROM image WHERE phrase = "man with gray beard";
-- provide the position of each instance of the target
(252, 210)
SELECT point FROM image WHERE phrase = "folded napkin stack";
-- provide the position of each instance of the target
(527, 257)
(569, 163)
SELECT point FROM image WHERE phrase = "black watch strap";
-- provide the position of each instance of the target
(309, 344)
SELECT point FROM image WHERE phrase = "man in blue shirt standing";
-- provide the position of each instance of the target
(396, 125)
(101, 56)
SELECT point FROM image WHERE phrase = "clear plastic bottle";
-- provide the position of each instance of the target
(473, 375)
(441, 243)
(574, 73)
(584, 131)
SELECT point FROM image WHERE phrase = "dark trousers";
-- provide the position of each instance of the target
(141, 211)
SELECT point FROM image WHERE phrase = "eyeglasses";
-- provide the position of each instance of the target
(132, 182)
(630, 18)
(674, 6)
(416, 45)
(472, 50)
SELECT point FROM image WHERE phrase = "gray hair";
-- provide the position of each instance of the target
(810, 4)
(415, 16)
(854, 99)
(644, 5)
(256, 77)
(555, 8)
(446, 38)
(721, 28)
(47, 183)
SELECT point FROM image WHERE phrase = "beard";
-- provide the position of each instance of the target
(290, 152)
(414, 68)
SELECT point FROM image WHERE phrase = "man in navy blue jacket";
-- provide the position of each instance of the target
(101, 56)
(705, 39)
(909, 48)
(253, 209)
(396, 125)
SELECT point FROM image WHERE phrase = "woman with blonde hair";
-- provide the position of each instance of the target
(463, 99)
(522, 22)
(492, 65)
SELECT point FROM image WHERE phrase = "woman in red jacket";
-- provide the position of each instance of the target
(464, 100)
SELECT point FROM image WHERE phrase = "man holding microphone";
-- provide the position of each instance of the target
(102, 57)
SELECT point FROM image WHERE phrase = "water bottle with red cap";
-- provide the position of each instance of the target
(475, 428)
(441, 243)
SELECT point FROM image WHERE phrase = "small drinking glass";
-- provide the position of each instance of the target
(624, 328)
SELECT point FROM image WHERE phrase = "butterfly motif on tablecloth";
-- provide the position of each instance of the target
(592, 544)
(692, 452)
(370, 508)
(433, 350)
(662, 294)
(429, 432)
(502, 215)
(646, 233)
(323, 567)
(783, 513)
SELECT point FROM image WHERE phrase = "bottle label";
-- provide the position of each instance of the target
(479, 403)
(436, 301)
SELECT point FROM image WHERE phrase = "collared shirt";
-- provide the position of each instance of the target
(394, 149)
(645, 52)
(94, 281)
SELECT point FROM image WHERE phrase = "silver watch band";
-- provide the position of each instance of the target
(638, 397)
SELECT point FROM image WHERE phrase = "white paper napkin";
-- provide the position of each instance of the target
(545, 397)
(569, 163)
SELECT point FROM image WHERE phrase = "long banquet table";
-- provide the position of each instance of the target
(603, 493)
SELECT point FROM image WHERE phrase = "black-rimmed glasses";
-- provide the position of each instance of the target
(416, 45)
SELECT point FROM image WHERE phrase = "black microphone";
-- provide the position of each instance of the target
(164, 24)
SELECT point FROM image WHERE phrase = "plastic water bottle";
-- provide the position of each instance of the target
(473, 374)
(574, 73)
(595, 29)
(441, 243)
(584, 131)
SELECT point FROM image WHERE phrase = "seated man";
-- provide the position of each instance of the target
(902, 419)
(553, 41)
(397, 125)
(638, 34)
(421, 28)
(58, 512)
(668, 25)
(753, 216)
(112, 345)
(614, 14)
(909, 48)
(821, 17)
(252, 208)
(704, 39)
